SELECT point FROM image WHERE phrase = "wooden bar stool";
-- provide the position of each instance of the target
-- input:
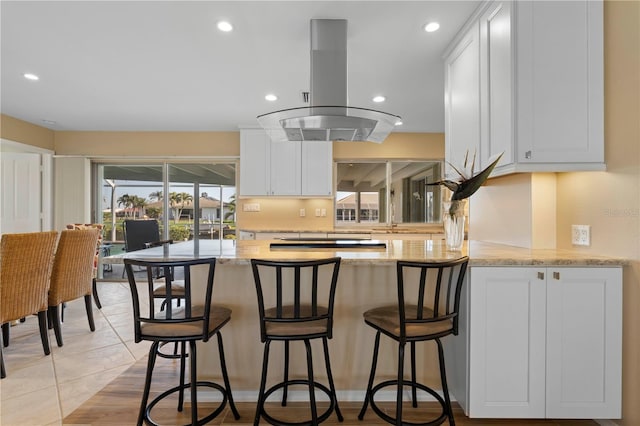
(196, 320)
(427, 309)
(304, 292)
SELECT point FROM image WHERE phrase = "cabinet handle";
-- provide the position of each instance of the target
(541, 275)
(556, 275)
(527, 155)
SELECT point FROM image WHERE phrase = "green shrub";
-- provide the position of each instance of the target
(179, 232)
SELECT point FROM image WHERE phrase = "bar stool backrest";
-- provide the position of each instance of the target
(191, 321)
(295, 293)
(429, 292)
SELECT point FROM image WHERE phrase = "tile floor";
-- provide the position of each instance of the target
(42, 390)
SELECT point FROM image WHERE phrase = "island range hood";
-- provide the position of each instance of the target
(328, 117)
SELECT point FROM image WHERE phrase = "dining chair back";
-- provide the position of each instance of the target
(96, 258)
(72, 273)
(26, 261)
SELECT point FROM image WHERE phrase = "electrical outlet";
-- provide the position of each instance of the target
(581, 235)
(317, 212)
(251, 207)
(323, 212)
(302, 213)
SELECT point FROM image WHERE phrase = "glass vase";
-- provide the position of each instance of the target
(453, 219)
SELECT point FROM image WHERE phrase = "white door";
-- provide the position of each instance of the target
(21, 193)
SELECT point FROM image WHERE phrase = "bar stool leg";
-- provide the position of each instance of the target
(413, 375)
(400, 381)
(225, 377)
(194, 383)
(263, 382)
(183, 364)
(312, 392)
(286, 373)
(332, 387)
(147, 382)
(372, 375)
(445, 388)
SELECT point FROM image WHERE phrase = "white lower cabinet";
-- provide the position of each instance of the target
(542, 342)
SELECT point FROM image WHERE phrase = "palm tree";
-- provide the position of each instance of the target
(156, 195)
(178, 201)
(139, 203)
(126, 202)
(232, 207)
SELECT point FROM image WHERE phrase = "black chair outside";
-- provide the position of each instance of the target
(304, 293)
(426, 309)
(197, 320)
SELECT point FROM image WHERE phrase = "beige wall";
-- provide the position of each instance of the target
(20, 131)
(427, 146)
(219, 144)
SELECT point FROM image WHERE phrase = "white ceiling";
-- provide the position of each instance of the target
(164, 66)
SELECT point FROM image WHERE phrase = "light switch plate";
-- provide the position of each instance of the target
(581, 235)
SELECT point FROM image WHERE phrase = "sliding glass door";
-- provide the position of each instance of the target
(189, 200)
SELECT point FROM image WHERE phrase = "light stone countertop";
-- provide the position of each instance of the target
(239, 252)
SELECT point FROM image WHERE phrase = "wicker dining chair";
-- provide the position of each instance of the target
(26, 261)
(96, 258)
(71, 275)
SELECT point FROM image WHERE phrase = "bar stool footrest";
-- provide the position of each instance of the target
(384, 416)
(322, 417)
(202, 421)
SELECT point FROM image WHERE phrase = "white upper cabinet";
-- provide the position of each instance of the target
(255, 163)
(541, 91)
(270, 168)
(317, 168)
(462, 101)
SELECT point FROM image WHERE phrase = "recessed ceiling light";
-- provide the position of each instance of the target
(225, 26)
(49, 122)
(271, 97)
(431, 27)
(379, 98)
(398, 123)
(30, 76)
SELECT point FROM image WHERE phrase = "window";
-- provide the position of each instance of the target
(387, 192)
(190, 200)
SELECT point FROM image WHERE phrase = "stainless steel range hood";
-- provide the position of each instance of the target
(328, 118)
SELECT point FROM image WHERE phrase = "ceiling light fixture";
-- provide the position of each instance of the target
(49, 122)
(431, 27)
(379, 99)
(271, 97)
(30, 76)
(225, 26)
(398, 123)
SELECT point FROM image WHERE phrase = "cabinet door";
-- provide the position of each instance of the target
(584, 343)
(254, 162)
(462, 102)
(317, 168)
(285, 168)
(507, 342)
(560, 87)
(496, 87)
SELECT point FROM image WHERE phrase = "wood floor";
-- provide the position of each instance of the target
(118, 403)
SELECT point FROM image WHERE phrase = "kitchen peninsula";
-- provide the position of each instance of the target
(540, 331)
